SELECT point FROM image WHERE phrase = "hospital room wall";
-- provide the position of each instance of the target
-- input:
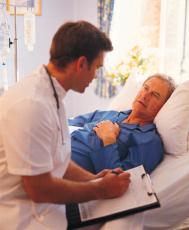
(46, 25)
(53, 15)
(87, 102)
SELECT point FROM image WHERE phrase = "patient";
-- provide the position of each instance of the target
(110, 139)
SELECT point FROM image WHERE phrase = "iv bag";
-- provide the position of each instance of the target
(4, 35)
(29, 29)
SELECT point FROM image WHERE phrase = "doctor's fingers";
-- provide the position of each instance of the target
(120, 185)
(118, 170)
(103, 173)
(113, 185)
(125, 176)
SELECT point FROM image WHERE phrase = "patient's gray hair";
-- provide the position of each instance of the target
(169, 80)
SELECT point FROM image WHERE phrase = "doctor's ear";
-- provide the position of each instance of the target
(82, 62)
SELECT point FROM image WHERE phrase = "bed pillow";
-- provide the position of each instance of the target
(123, 101)
(172, 121)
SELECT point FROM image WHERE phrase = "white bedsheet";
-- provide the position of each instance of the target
(171, 182)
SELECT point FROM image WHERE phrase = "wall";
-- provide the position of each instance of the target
(53, 15)
(82, 103)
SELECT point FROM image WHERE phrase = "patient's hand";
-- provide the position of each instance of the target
(107, 132)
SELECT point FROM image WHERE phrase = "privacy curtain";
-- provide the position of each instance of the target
(104, 88)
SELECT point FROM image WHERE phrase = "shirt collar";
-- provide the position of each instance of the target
(59, 89)
(143, 128)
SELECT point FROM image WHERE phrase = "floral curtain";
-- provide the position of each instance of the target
(104, 87)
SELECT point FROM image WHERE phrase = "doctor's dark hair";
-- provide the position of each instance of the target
(76, 39)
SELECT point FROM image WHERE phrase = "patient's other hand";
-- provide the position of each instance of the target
(107, 132)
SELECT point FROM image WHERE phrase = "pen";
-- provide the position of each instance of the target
(114, 172)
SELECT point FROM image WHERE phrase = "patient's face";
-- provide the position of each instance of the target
(150, 99)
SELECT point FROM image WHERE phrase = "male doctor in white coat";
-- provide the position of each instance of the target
(37, 177)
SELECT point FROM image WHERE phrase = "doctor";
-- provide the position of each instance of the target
(36, 174)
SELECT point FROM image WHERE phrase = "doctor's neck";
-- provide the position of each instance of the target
(62, 75)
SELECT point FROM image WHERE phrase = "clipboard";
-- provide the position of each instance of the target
(138, 198)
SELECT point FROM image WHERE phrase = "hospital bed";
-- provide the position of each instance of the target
(171, 177)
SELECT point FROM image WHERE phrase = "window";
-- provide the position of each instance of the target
(155, 25)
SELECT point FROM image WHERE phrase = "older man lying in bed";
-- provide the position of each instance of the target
(110, 139)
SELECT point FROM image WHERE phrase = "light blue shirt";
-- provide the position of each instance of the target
(135, 144)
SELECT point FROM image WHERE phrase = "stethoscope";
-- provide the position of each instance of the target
(57, 102)
(53, 88)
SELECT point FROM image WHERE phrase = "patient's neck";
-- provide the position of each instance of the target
(132, 119)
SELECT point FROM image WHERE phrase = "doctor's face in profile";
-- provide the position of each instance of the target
(151, 97)
(88, 72)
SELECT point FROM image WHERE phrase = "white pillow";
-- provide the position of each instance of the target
(172, 121)
(124, 99)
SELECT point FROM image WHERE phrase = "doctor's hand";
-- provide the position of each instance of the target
(105, 171)
(107, 132)
(112, 185)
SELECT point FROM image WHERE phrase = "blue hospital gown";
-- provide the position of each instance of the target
(135, 144)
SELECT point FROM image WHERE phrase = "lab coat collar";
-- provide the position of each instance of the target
(59, 89)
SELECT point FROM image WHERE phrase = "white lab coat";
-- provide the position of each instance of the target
(31, 144)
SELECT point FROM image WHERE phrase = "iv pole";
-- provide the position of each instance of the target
(15, 48)
(15, 44)
(30, 3)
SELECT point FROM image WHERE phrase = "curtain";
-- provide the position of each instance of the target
(104, 87)
(184, 70)
(174, 54)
